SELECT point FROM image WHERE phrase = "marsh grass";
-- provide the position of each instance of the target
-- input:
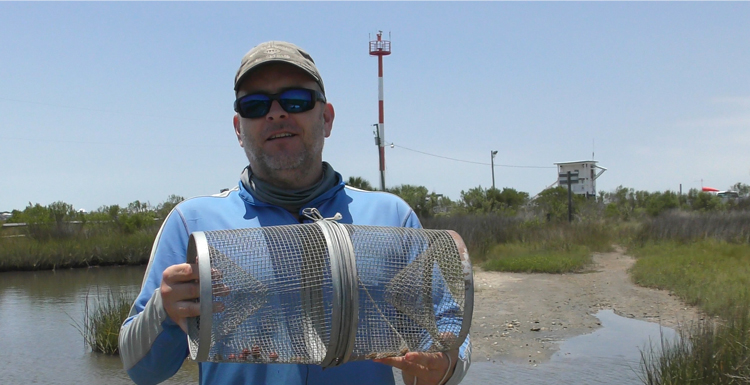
(503, 243)
(733, 226)
(523, 258)
(102, 317)
(25, 253)
(707, 353)
(704, 258)
(479, 232)
(715, 276)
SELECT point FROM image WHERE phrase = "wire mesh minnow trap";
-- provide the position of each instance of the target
(326, 293)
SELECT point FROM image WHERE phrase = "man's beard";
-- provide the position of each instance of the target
(280, 162)
(285, 162)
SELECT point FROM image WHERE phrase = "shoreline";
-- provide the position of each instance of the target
(522, 317)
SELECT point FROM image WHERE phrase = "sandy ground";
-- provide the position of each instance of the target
(519, 317)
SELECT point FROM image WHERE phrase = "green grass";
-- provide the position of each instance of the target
(25, 253)
(102, 320)
(504, 243)
(707, 353)
(715, 276)
(522, 258)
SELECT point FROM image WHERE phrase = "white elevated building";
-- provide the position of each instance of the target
(583, 175)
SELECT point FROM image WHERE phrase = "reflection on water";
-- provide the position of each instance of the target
(610, 355)
(41, 345)
(619, 338)
(39, 340)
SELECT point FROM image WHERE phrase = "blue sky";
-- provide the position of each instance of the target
(108, 103)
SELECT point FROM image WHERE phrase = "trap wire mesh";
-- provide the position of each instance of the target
(326, 293)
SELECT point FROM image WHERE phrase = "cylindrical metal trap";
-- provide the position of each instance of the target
(327, 293)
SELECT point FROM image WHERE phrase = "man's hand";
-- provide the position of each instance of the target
(179, 293)
(424, 368)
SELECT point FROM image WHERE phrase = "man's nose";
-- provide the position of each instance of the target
(276, 112)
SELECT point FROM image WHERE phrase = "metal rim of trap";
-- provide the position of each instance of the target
(344, 280)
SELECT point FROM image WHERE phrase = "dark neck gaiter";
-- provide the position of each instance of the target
(292, 201)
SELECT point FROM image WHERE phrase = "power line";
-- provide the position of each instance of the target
(468, 161)
(198, 120)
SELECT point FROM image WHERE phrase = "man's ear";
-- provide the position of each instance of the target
(237, 130)
(328, 115)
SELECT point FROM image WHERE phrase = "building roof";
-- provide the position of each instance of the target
(577, 161)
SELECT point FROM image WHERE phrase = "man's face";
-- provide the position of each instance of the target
(283, 147)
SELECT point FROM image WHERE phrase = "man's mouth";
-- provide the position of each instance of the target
(282, 135)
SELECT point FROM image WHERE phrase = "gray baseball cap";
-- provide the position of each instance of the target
(277, 51)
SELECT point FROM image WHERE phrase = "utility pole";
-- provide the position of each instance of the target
(492, 161)
(380, 144)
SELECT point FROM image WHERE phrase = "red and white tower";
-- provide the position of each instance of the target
(380, 48)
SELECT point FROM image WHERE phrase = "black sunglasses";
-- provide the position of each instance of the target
(292, 100)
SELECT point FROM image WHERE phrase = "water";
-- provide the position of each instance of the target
(610, 355)
(40, 345)
(39, 342)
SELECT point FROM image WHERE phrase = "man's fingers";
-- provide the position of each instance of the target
(185, 309)
(398, 362)
(428, 368)
(180, 311)
(180, 273)
(427, 360)
(415, 361)
(179, 292)
(425, 366)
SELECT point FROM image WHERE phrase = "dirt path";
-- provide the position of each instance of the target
(519, 317)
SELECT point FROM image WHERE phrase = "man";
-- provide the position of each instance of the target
(282, 121)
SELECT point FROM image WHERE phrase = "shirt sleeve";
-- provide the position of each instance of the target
(152, 346)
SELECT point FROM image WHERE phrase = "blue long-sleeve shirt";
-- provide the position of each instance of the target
(153, 347)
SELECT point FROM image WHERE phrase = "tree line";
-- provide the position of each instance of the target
(61, 220)
(552, 203)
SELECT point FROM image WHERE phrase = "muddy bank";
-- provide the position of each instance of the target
(522, 317)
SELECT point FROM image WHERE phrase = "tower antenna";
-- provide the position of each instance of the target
(380, 48)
